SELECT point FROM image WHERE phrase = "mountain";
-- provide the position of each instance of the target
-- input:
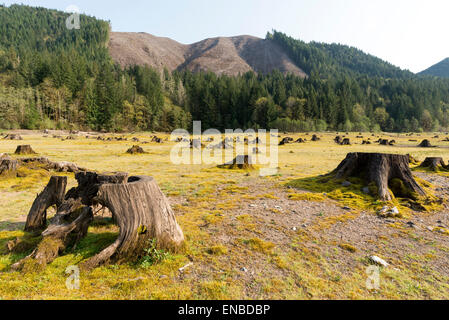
(440, 69)
(230, 56)
(334, 60)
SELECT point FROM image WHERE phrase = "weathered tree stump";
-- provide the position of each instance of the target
(142, 212)
(24, 149)
(425, 144)
(346, 142)
(8, 166)
(434, 164)
(338, 139)
(242, 162)
(196, 143)
(380, 169)
(156, 139)
(285, 141)
(300, 140)
(137, 205)
(315, 138)
(53, 194)
(135, 150)
(13, 137)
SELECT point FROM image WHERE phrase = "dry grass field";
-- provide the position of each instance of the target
(247, 236)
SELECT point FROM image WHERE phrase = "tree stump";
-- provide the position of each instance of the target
(135, 150)
(196, 143)
(24, 149)
(346, 142)
(380, 169)
(338, 139)
(315, 138)
(300, 140)
(8, 166)
(285, 141)
(136, 203)
(13, 137)
(434, 164)
(142, 212)
(425, 144)
(242, 162)
(53, 194)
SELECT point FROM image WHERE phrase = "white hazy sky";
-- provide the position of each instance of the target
(412, 34)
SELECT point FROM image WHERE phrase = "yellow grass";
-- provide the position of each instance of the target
(203, 196)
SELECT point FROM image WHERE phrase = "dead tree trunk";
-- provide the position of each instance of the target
(380, 169)
(53, 194)
(137, 205)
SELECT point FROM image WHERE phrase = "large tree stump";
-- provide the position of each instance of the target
(137, 205)
(142, 212)
(434, 164)
(53, 194)
(380, 169)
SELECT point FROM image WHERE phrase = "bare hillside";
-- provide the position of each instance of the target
(229, 56)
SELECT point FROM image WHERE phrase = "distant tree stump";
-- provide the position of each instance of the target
(135, 150)
(24, 149)
(346, 142)
(196, 143)
(13, 137)
(242, 162)
(315, 138)
(8, 166)
(434, 164)
(425, 144)
(380, 169)
(300, 140)
(136, 203)
(338, 139)
(285, 141)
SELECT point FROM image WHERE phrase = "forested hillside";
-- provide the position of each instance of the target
(440, 69)
(52, 77)
(335, 60)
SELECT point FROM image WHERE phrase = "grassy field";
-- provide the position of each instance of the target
(247, 236)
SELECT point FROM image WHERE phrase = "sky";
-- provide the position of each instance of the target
(412, 34)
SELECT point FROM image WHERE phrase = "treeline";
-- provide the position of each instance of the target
(51, 77)
(293, 104)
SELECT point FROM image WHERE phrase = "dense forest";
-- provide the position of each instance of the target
(52, 77)
(441, 69)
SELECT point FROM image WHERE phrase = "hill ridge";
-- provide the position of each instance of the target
(221, 55)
